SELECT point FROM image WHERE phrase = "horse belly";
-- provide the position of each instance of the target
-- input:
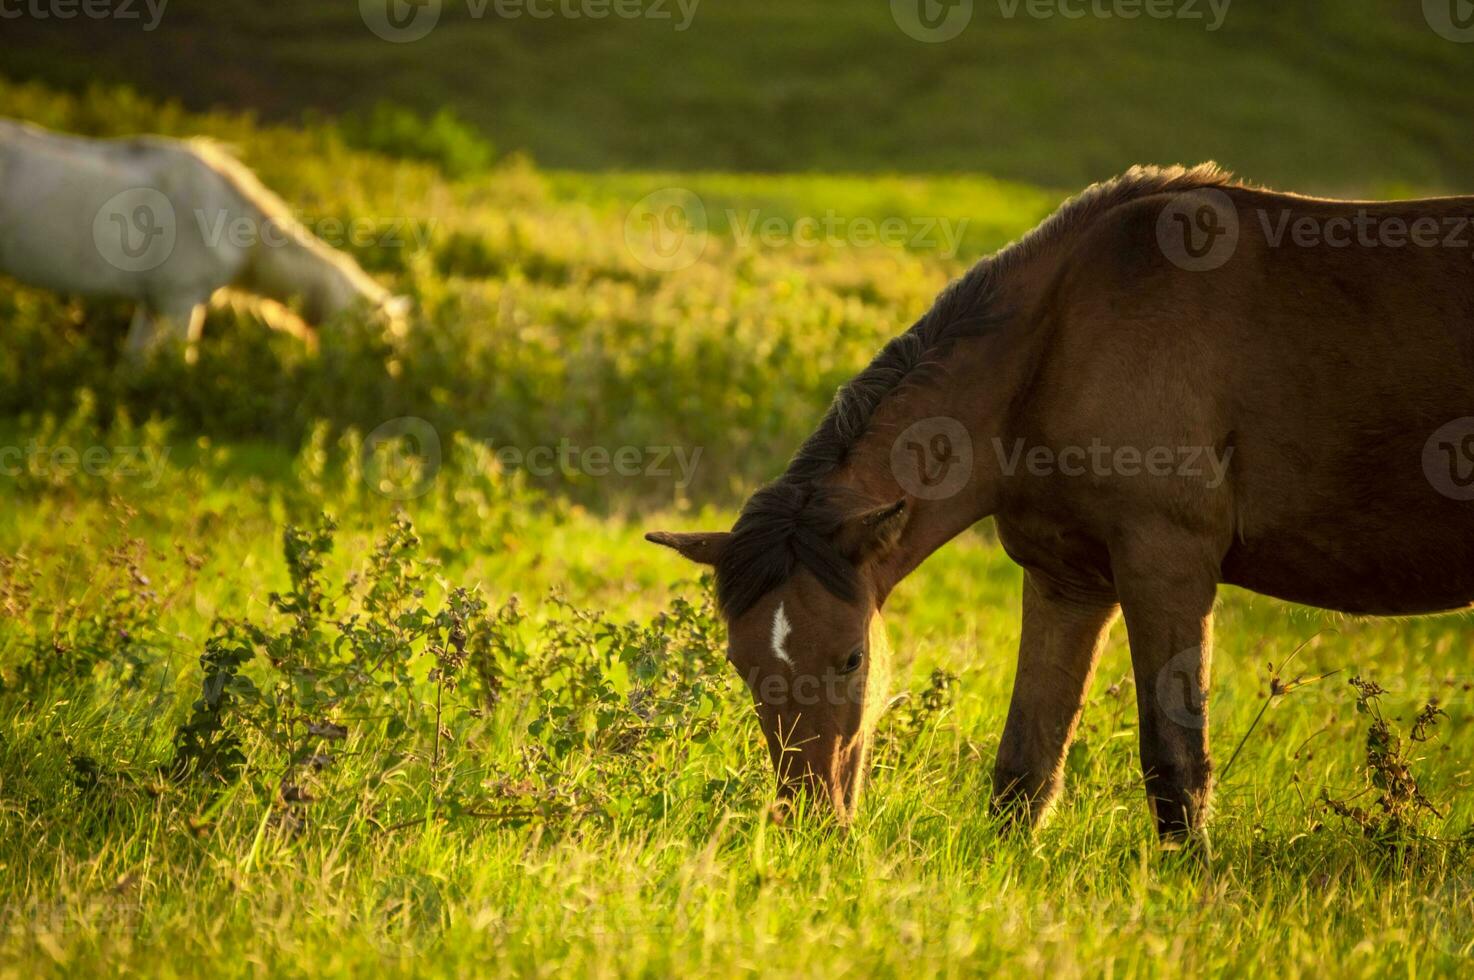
(54, 225)
(1353, 414)
(1391, 571)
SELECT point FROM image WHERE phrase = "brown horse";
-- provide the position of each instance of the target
(1175, 381)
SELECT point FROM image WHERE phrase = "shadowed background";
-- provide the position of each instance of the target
(1310, 94)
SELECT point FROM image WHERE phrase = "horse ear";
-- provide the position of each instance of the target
(704, 547)
(876, 531)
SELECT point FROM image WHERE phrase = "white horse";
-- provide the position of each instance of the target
(166, 223)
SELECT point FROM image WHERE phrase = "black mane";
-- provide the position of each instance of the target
(793, 520)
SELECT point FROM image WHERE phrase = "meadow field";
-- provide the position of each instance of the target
(322, 663)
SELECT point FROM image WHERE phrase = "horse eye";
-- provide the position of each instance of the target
(852, 664)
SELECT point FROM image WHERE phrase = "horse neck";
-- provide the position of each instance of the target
(933, 443)
(296, 266)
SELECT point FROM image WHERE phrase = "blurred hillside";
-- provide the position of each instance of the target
(1348, 96)
(545, 312)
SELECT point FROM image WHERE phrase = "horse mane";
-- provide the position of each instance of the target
(221, 158)
(792, 521)
(272, 210)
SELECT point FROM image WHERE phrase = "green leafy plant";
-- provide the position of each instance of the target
(1399, 808)
(377, 669)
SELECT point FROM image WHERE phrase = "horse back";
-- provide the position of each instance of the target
(72, 209)
(1335, 375)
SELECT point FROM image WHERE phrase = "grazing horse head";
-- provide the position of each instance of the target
(797, 586)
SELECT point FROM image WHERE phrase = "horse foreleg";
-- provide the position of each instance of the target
(1167, 583)
(1060, 642)
(180, 323)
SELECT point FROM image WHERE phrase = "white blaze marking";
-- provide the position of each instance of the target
(781, 629)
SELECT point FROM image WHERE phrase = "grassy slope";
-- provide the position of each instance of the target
(538, 319)
(108, 876)
(111, 878)
(1356, 94)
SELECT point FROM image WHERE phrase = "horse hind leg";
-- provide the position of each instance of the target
(1167, 590)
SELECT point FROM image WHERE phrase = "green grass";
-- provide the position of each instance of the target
(133, 873)
(634, 853)
(1314, 96)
